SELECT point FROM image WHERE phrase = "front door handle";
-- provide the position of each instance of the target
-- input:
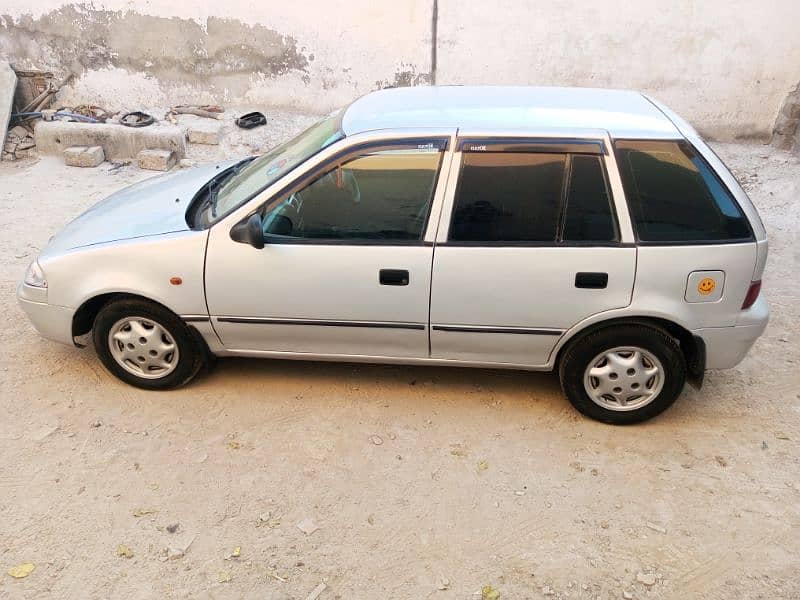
(592, 281)
(393, 277)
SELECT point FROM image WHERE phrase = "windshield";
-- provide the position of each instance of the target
(249, 177)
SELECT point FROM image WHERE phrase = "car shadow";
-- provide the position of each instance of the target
(416, 379)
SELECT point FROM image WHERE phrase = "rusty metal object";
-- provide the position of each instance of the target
(43, 99)
(92, 110)
(30, 86)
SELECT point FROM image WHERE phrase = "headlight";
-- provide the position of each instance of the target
(34, 276)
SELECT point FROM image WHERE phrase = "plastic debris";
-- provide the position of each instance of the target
(143, 512)
(316, 592)
(124, 551)
(178, 549)
(459, 450)
(269, 520)
(21, 571)
(307, 526)
(489, 593)
(483, 465)
(655, 527)
(224, 577)
(376, 439)
(647, 579)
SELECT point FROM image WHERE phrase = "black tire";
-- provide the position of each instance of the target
(191, 356)
(583, 350)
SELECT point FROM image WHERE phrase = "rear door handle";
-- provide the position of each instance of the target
(393, 277)
(591, 281)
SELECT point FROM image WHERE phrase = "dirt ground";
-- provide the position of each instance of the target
(423, 482)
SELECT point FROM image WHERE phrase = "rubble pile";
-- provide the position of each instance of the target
(19, 143)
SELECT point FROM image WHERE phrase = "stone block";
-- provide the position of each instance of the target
(156, 160)
(118, 142)
(19, 132)
(84, 156)
(8, 83)
(201, 132)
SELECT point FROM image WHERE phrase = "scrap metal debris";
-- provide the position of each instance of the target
(98, 113)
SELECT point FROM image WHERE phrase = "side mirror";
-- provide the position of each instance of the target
(249, 232)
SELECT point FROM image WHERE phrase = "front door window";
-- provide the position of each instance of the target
(382, 196)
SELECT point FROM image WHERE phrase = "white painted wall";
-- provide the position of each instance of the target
(725, 65)
(356, 46)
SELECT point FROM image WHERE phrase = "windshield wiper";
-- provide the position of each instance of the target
(216, 184)
(213, 187)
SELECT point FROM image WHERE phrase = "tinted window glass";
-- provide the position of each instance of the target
(508, 197)
(674, 196)
(378, 196)
(588, 215)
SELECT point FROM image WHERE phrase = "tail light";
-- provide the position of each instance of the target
(752, 294)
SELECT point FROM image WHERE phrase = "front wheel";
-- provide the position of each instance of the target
(624, 374)
(146, 345)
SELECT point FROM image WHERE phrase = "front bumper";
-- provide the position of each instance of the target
(52, 322)
(727, 346)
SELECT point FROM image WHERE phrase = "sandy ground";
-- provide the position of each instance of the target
(424, 482)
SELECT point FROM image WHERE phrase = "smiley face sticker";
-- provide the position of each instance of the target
(706, 286)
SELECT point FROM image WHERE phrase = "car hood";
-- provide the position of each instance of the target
(151, 207)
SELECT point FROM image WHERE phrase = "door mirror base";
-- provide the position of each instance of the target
(249, 232)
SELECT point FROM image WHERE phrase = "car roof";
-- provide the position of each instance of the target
(622, 113)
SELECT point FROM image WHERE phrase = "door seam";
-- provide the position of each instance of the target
(436, 237)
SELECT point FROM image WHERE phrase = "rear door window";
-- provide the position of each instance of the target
(587, 215)
(527, 197)
(675, 196)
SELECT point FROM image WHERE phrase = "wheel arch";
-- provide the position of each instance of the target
(692, 346)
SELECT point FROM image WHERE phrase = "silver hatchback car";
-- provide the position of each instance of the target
(589, 232)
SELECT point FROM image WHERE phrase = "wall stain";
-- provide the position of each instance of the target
(174, 50)
(406, 76)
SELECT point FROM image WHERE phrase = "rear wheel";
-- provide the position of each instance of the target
(145, 345)
(624, 374)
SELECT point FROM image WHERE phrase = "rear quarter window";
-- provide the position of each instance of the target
(675, 196)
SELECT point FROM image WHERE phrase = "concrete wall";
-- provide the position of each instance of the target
(726, 65)
(311, 54)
